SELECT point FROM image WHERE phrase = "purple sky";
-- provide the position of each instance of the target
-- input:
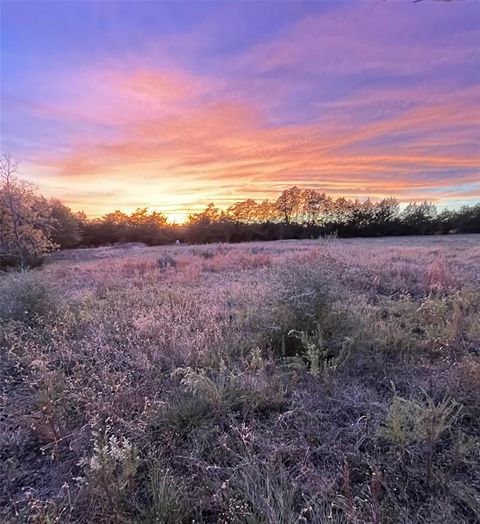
(172, 105)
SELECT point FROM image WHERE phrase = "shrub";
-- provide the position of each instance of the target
(109, 475)
(223, 390)
(26, 297)
(166, 261)
(321, 359)
(410, 421)
(183, 414)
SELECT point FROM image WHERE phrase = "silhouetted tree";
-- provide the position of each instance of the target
(31, 225)
(419, 218)
(289, 204)
(66, 226)
(245, 212)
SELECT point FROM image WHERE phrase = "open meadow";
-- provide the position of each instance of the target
(316, 381)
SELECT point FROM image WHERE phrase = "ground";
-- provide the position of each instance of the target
(282, 382)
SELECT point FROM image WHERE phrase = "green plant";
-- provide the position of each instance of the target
(167, 501)
(255, 360)
(321, 360)
(403, 423)
(410, 421)
(182, 414)
(224, 390)
(47, 421)
(198, 382)
(268, 494)
(110, 473)
(464, 448)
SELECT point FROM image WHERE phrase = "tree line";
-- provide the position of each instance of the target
(31, 225)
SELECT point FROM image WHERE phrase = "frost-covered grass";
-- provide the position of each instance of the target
(282, 382)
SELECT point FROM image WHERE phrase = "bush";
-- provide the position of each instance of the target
(25, 297)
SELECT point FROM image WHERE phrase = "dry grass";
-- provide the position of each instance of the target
(283, 382)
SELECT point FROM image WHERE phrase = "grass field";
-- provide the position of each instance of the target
(327, 381)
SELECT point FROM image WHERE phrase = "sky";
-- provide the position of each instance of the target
(171, 105)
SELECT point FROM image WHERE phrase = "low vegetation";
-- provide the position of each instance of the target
(283, 382)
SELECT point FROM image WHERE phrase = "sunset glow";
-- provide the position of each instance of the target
(119, 105)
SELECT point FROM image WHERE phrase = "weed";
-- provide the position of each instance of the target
(321, 360)
(109, 474)
(410, 421)
(167, 502)
(268, 495)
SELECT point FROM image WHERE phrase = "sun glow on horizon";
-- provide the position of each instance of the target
(177, 218)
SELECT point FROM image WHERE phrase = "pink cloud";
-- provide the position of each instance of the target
(386, 38)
